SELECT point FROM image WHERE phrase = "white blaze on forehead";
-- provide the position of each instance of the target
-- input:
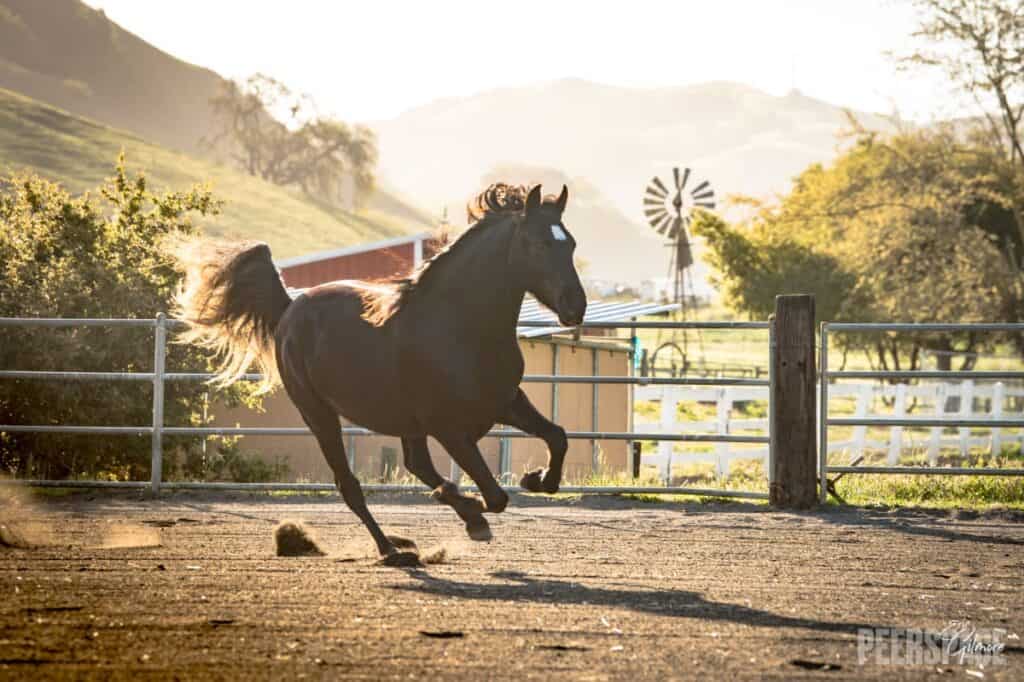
(558, 233)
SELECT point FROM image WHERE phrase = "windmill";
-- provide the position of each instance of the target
(670, 212)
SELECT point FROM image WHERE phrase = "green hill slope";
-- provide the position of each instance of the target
(80, 153)
(67, 54)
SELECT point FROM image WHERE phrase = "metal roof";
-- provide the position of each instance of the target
(597, 311)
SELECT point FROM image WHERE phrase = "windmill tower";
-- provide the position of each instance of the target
(669, 211)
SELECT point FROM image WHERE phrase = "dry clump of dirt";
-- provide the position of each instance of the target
(292, 538)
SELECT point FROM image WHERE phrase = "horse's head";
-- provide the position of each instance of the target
(542, 253)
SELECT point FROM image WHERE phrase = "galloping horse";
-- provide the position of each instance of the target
(434, 354)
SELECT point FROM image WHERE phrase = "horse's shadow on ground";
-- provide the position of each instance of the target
(519, 587)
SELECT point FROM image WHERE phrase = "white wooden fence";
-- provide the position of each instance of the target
(868, 400)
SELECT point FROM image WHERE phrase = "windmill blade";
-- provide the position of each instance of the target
(654, 221)
(651, 201)
(710, 205)
(686, 176)
(705, 195)
(652, 194)
(699, 188)
(655, 213)
(656, 182)
(663, 224)
(675, 176)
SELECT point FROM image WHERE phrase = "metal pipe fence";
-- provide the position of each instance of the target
(157, 430)
(826, 375)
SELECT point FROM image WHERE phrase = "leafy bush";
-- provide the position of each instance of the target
(225, 460)
(90, 256)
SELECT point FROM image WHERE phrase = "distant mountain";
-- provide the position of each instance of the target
(80, 153)
(602, 232)
(743, 140)
(67, 54)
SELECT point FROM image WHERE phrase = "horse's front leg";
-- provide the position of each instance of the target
(466, 454)
(470, 508)
(521, 414)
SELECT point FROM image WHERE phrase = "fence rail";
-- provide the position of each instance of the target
(666, 432)
(962, 420)
(158, 429)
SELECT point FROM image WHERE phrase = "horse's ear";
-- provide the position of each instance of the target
(533, 199)
(562, 198)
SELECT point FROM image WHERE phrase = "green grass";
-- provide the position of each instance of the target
(80, 153)
(934, 492)
(979, 493)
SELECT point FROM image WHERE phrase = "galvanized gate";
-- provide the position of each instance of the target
(827, 375)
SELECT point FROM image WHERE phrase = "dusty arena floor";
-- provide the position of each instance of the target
(188, 586)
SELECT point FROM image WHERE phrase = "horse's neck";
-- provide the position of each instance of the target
(477, 279)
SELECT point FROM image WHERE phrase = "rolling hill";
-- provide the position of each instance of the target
(604, 141)
(103, 72)
(743, 140)
(80, 153)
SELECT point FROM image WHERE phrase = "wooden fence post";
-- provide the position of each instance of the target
(794, 422)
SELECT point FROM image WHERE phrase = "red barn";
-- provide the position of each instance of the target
(376, 260)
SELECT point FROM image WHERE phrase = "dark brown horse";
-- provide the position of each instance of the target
(432, 355)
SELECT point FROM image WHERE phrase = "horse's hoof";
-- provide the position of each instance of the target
(550, 487)
(531, 481)
(401, 560)
(479, 530)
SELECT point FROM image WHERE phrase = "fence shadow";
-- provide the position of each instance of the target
(920, 523)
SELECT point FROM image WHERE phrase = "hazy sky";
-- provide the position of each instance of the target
(371, 59)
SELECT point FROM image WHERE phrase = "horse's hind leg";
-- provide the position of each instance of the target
(521, 414)
(325, 426)
(469, 507)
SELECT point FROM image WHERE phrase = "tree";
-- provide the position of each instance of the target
(89, 256)
(277, 135)
(893, 230)
(979, 44)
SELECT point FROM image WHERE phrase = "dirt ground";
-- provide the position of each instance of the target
(188, 587)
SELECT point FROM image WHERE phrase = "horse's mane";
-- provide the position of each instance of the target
(492, 205)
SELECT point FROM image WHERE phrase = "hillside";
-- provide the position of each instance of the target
(103, 72)
(80, 153)
(744, 141)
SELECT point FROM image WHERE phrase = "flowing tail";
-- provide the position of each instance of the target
(232, 299)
